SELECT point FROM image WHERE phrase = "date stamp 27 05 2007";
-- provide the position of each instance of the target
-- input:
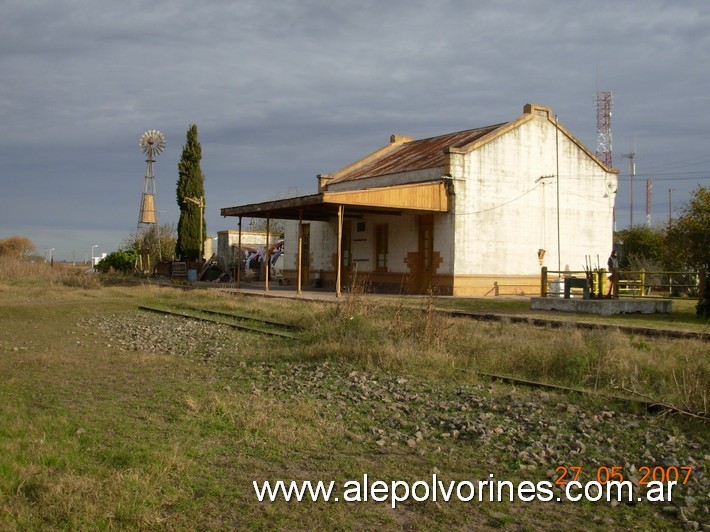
(646, 474)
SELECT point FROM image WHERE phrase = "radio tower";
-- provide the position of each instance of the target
(603, 102)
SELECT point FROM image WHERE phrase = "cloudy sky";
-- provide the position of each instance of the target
(283, 90)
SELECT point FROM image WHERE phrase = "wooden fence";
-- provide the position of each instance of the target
(631, 283)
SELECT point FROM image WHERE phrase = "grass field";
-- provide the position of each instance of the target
(114, 418)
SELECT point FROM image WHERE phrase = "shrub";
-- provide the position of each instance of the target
(120, 261)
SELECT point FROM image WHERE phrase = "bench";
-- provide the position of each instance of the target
(574, 282)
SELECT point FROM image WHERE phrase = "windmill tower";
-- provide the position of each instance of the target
(152, 143)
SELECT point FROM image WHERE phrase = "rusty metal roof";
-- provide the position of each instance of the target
(416, 154)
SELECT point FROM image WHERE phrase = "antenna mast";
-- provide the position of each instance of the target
(649, 186)
(603, 102)
(632, 171)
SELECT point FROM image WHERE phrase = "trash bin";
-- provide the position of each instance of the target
(557, 288)
(192, 275)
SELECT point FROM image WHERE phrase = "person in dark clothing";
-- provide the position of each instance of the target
(613, 265)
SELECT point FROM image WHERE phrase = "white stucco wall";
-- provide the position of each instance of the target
(323, 241)
(504, 212)
(402, 238)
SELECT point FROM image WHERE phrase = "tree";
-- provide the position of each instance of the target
(643, 247)
(190, 192)
(16, 246)
(689, 236)
(159, 239)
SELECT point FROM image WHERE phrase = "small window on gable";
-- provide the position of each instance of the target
(360, 227)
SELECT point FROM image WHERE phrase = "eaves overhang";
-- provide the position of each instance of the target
(429, 196)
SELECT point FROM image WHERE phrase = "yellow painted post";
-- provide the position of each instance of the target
(642, 279)
(601, 275)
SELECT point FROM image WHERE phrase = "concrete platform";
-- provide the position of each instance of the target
(603, 307)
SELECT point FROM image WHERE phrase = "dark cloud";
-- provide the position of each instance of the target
(281, 91)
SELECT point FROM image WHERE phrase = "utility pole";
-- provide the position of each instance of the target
(200, 202)
(557, 174)
(649, 186)
(631, 156)
(670, 207)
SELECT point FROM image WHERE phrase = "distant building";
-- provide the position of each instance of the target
(465, 213)
(98, 258)
(228, 243)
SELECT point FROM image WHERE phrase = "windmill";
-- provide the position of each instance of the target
(152, 143)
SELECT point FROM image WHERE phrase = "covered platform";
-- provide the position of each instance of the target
(424, 197)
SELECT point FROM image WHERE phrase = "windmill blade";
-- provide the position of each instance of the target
(152, 142)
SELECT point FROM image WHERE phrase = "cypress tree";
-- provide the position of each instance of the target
(191, 184)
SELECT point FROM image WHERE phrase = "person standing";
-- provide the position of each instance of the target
(613, 265)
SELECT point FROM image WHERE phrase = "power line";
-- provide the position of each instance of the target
(684, 162)
(700, 178)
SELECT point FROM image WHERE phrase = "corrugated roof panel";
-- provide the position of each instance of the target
(417, 154)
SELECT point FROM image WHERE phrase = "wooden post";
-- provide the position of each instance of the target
(266, 269)
(601, 277)
(300, 251)
(615, 281)
(202, 237)
(702, 284)
(239, 255)
(340, 240)
(543, 282)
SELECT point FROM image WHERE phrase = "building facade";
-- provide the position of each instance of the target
(474, 212)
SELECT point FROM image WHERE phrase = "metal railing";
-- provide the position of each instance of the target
(641, 283)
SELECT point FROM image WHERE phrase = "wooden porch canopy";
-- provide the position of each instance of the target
(428, 197)
(417, 197)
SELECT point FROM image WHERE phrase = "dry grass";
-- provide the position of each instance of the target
(396, 338)
(92, 436)
(22, 273)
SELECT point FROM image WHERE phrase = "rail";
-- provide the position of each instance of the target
(236, 321)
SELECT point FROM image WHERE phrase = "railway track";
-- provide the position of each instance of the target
(289, 331)
(241, 317)
(648, 405)
(544, 322)
(236, 321)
